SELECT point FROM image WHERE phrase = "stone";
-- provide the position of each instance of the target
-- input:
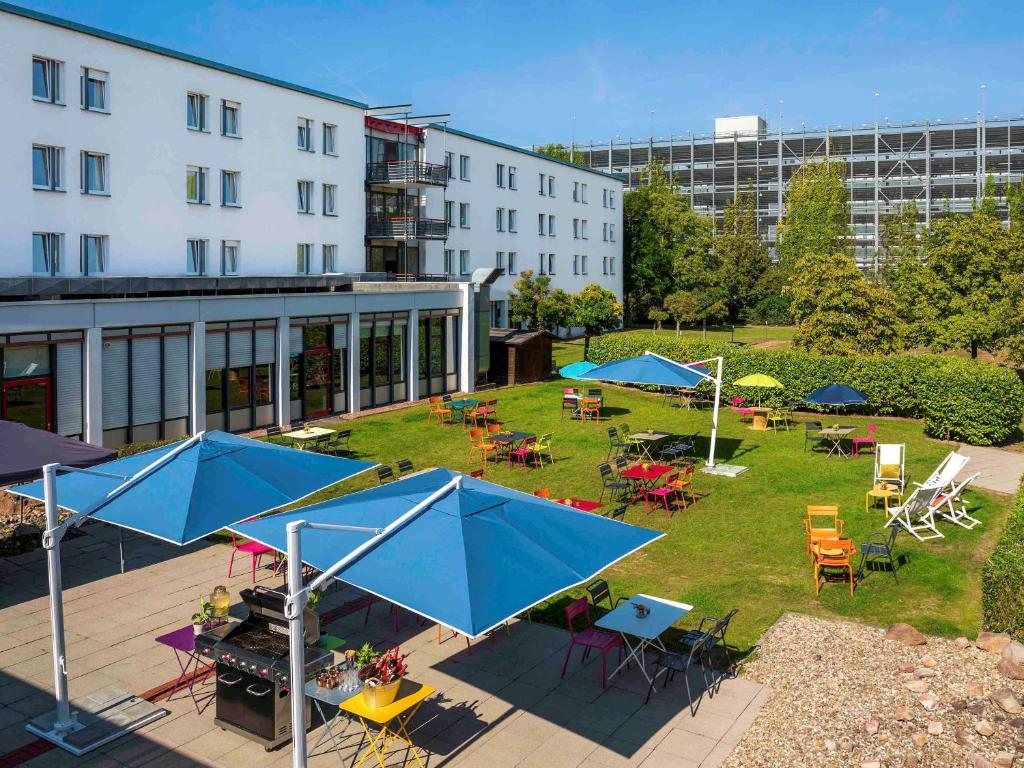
(920, 738)
(830, 745)
(928, 700)
(923, 672)
(959, 705)
(979, 761)
(910, 761)
(901, 713)
(962, 642)
(1016, 722)
(929, 662)
(871, 727)
(1014, 650)
(908, 667)
(977, 708)
(975, 690)
(935, 728)
(916, 686)
(1006, 701)
(1011, 668)
(964, 738)
(985, 728)
(993, 642)
(1003, 760)
(906, 634)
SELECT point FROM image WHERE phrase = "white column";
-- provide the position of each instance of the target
(92, 372)
(283, 405)
(412, 378)
(197, 409)
(467, 363)
(353, 363)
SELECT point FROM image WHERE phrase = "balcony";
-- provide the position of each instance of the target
(405, 228)
(407, 173)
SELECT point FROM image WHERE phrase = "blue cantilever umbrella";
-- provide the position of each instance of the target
(836, 395)
(650, 369)
(475, 557)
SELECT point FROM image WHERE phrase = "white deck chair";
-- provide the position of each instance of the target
(916, 514)
(944, 475)
(951, 506)
(890, 464)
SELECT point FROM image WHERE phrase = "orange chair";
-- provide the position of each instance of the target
(590, 407)
(477, 473)
(544, 493)
(438, 410)
(822, 522)
(832, 554)
(470, 416)
(479, 441)
(683, 484)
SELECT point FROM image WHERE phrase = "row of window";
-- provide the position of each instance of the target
(506, 220)
(48, 85)
(197, 115)
(505, 177)
(305, 258)
(48, 253)
(48, 170)
(508, 261)
(449, 161)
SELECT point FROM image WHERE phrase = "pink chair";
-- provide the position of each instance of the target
(663, 494)
(736, 402)
(524, 454)
(742, 413)
(589, 638)
(252, 548)
(871, 439)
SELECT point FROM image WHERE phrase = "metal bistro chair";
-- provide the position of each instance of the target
(615, 442)
(811, 436)
(600, 592)
(879, 548)
(619, 513)
(570, 404)
(674, 661)
(404, 467)
(589, 638)
(339, 442)
(385, 474)
(609, 482)
(620, 463)
(276, 436)
(321, 444)
(254, 549)
(714, 635)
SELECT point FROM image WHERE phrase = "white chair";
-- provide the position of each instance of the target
(951, 506)
(890, 464)
(945, 474)
(916, 514)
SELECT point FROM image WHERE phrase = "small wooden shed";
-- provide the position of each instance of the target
(519, 357)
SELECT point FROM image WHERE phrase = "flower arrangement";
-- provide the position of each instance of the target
(389, 667)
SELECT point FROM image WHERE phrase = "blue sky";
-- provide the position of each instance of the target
(520, 72)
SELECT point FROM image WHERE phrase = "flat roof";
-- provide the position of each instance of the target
(160, 50)
(503, 145)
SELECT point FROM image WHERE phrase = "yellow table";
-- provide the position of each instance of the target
(308, 434)
(883, 491)
(391, 721)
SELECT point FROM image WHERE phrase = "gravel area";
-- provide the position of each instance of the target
(845, 695)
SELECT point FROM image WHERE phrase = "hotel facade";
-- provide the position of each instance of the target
(185, 245)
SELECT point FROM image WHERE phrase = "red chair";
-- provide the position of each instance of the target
(737, 407)
(524, 454)
(870, 440)
(252, 548)
(663, 494)
(589, 638)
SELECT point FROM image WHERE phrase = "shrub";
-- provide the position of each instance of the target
(959, 399)
(1002, 578)
(130, 449)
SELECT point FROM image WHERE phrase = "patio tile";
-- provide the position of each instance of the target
(613, 753)
(659, 759)
(687, 745)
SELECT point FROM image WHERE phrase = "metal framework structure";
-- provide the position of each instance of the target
(940, 166)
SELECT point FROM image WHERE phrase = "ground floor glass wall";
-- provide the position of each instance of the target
(41, 381)
(382, 358)
(438, 341)
(318, 374)
(240, 391)
(398, 258)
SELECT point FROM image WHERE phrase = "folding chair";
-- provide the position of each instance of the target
(916, 515)
(811, 436)
(619, 513)
(600, 592)
(609, 482)
(615, 442)
(276, 436)
(715, 635)
(879, 547)
(944, 475)
(673, 661)
(951, 506)
(385, 474)
(339, 442)
(404, 467)
(890, 459)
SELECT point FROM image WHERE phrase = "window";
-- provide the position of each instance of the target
(551, 186)
(575, 191)
(551, 226)
(229, 257)
(583, 229)
(46, 252)
(449, 161)
(551, 263)
(611, 198)
(540, 224)
(195, 184)
(499, 219)
(500, 175)
(195, 256)
(47, 80)
(575, 229)
(583, 264)
(499, 260)
(464, 262)
(330, 195)
(575, 264)
(449, 259)
(543, 189)
(230, 123)
(330, 258)
(449, 212)
(512, 220)
(604, 265)
(583, 193)
(512, 177)
(304, 134)
(464, 215)
(611, 264)
(512, 262)
(604, 231)
(330, 131)
(229, 189)
(93, 254)
(47, 168)
(304, 198)
(195, 112)
(94, 174)
(303, 258)
(604, 198)
(543, 263)
(611, 233)
(464, 167)
(94, 90)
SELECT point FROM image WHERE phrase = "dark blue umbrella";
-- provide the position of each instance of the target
(836, 394)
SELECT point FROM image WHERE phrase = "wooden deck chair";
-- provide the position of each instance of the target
(916, 515)
(890, 459)
(944, 476)
(951, 506)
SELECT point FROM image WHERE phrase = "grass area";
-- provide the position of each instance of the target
(742, 544)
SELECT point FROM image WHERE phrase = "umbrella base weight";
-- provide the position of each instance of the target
(724, 470)
(98, 719)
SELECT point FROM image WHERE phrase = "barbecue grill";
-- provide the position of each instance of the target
(253, 689)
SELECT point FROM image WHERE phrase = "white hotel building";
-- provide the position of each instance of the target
(185, 245)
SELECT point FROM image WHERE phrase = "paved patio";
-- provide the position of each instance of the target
(502, 705)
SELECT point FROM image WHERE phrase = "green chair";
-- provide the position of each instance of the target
(779, 417)
(631, 444)
(542, 448)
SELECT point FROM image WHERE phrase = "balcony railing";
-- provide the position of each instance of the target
(407, 172)
(405, 228)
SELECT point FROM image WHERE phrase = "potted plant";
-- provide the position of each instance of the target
(314, 600)
(202, 617)
(387, 672)
(365, 657)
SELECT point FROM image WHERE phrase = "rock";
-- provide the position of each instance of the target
(916, 686)
(871, 727)
(920, 738)
(929, 662)
(975, 690)
(907, 667)
(964, 738)
(934, 728)
(907, 635)
(985, 728)
(978, 761)
(1011, 668)
(1007, 701)
(977, 708)
(923, 672)
(1014, 650)
(1004, 760)
(962, 642)
(901, 713)
(910, 761)
(993, 642)
(928, 700)
(830, 745)
(959, 705)
(1016, 722)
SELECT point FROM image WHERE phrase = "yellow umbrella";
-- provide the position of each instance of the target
(759, 380)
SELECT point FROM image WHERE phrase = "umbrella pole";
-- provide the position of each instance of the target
(714, 414)
(63, 722)
(296, 645)
(120, 545)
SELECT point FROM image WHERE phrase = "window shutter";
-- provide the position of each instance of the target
(145, 381)
(265, 346)
(241, 349)
(69, 389)
(115, 383)
(295, 340)
(215, 350)
(176, 377)
(340, 336)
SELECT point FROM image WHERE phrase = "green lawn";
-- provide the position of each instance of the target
(742, 544)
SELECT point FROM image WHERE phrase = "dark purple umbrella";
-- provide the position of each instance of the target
(24, 450)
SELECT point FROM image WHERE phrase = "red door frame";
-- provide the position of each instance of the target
(47, 381)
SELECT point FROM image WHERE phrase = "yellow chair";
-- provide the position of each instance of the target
(834, 554)
(822, 522)
(479, 441)
(439, 411)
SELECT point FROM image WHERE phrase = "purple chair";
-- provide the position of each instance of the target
(589, 638)
(254, 549)
(525, 453)
(871, 440)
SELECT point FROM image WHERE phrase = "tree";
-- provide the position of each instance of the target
(836, 310)
(988, 205)
(657, 315)
(816, 218)
(742, 256)
(899, 234)
(556, 311)
(683, 308)
(559, 152)
(527, 299)
(596, 310)
(664, 241)
(699, 304)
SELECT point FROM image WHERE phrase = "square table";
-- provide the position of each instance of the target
(646, 631)
(648, 441)
(836, 435)
(312, 433)
(644, 479)
(508, 441)
(583, 505)
(391, 721)
(332, 698)
(192, 665)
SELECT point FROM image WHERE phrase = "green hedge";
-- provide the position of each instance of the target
(130, 449)
(958, 399)
(1002, 578)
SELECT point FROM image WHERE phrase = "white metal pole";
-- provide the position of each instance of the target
(296, 645)
(714, 414)
(51, 541)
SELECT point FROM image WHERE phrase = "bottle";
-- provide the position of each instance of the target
(220, 598)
